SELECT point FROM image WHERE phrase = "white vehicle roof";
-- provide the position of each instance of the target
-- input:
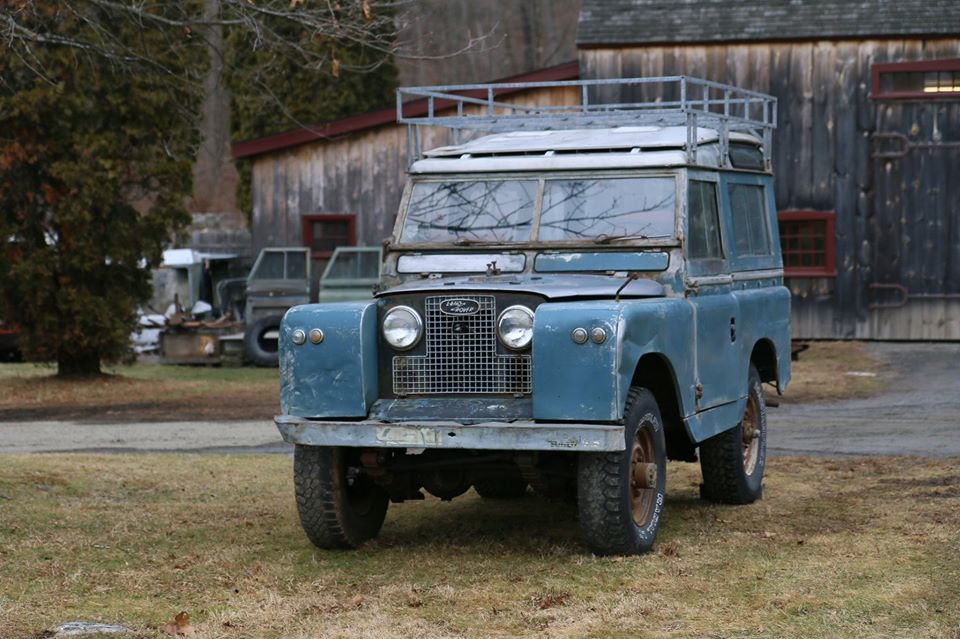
(620, 147)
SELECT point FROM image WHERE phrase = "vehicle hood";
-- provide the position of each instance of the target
(552, 287)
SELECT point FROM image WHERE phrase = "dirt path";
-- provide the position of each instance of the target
(919, 414)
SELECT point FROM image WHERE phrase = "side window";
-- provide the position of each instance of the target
(270, 266)
(703, 228)
(296, 265)
(748, 210)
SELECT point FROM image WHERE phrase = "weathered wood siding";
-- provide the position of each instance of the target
(362, 174)
(897, 221)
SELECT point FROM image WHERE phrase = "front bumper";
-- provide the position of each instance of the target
(516, 435)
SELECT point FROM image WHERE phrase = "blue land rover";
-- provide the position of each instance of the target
(569, 299)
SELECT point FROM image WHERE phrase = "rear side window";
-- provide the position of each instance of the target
(703, 228)
(749, 212)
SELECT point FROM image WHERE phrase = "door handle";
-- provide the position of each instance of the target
(733, 329)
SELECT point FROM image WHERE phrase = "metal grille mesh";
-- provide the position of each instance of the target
(461, 355)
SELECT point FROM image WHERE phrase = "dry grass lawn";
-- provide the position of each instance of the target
(143, 392)
(171, 393)
(836, 370)
(838, 548)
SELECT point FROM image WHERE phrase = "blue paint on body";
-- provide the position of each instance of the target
(337, 377)
(700, 320)
(601, 261)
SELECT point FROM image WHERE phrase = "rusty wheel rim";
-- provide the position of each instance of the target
(642, 495)
(750, 427)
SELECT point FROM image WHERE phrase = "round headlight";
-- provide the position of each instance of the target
(515, 327)
(402, 327)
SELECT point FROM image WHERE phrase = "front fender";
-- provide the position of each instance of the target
(589, 382)
(338, 376)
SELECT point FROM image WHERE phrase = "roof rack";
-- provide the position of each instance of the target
(666, 101)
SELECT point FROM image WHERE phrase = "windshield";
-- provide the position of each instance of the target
(500, 211)
(504, 210)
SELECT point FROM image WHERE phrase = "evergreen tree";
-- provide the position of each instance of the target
(99, 114)
(95, 164)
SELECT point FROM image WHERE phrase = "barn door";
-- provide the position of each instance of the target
(915, 287)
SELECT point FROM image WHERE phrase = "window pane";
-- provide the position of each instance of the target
(270, 267)
(355, 266)
(634, 207)
(296, 266)
(494, 211)
(327, 235)
(703, 229)
(749, 214)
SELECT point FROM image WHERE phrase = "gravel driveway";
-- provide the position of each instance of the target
(918, 415)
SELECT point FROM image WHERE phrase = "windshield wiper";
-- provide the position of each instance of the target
(607, 239)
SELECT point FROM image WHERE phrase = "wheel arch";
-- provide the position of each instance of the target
(764, 358)
(655, 373)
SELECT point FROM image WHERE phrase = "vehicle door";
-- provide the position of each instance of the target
(709, 292)
(754, 261)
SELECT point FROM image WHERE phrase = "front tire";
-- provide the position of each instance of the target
(620, 494)
(732, 462)
(339, 506)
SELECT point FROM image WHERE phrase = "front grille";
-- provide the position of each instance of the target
(461, 355)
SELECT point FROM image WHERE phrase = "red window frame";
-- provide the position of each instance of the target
(919, 66)
(829, 266)
(309, 220)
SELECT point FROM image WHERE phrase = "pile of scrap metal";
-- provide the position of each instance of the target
(211, 330)
(190, 338)
(234, 317)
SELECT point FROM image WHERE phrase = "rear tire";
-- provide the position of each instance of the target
(339, 506)
(256, 347)
(621, 494)
(732, 462)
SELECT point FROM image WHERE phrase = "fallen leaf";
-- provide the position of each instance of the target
(335, 68)
(357, 602)
(769, 535)
(179, 625)
(367, 13)
(549, 600)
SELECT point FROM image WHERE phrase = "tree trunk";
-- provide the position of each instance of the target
(78, 364)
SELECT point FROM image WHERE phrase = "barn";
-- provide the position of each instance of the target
(339, 183)
(867, 153)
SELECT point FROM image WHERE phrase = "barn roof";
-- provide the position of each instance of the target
(609, 22)
(372, 119)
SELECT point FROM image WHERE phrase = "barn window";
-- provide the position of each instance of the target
(807, 241)
(323, 233)
(923, 79)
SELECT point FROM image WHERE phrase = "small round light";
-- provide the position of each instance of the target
(515, 327)
(598, 335)
(298, 337)
(402, 327)
(579, 335)
(316, 335)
